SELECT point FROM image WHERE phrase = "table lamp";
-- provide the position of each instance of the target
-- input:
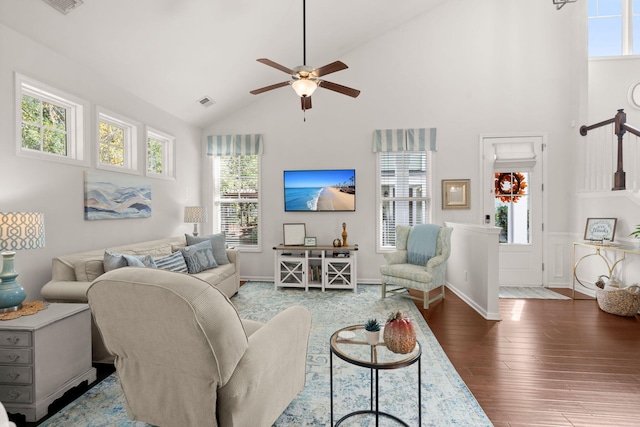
(18, 231)
(196, 215)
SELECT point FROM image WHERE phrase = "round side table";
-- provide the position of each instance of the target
(355, 350)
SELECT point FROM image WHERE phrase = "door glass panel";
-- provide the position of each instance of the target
(512, 207)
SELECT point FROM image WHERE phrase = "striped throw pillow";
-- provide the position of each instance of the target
(173, 262)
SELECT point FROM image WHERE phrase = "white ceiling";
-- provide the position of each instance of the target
(171, 53)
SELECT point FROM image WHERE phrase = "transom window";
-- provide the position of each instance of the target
(50, 122)
(117, 142)
(611, 27)
(160, 154)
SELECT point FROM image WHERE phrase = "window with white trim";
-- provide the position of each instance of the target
(237, 199)
(611, 27)
(49, 123)
(160, 154)
(117, 142)
(404, 192)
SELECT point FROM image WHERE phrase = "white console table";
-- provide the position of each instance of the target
(324, 267)
(42, 356)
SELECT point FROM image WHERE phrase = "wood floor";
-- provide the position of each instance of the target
(547, 363)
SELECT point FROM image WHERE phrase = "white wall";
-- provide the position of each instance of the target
(466, 68)
(57, 189)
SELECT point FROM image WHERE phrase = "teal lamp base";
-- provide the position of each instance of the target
(11, 293)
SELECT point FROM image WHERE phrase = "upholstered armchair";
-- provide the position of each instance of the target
(419, 262)
(184, 357)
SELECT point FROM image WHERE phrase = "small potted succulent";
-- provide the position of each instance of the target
(372, 331)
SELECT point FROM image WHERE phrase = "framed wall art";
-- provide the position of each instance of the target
(116, 196)
(600, 229)
(294, 234)
(456, 194)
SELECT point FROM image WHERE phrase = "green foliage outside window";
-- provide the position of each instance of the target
(111, 144)
(44, 126)
(239, 198)
(155, 151)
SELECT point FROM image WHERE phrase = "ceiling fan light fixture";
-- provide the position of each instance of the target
(304, 87)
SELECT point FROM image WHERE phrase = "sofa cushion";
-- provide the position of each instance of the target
(173, 262)
(113, 260)
(199, 257)
(89, 269)
(158, 251)
(218, 244)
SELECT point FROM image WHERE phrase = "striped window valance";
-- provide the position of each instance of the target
(420, 139)
(234, 145)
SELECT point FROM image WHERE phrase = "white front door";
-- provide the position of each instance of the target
(513, 183)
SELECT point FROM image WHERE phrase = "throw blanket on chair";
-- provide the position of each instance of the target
(421, 246)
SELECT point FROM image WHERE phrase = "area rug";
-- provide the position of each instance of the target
(529, 292)
(446, 400)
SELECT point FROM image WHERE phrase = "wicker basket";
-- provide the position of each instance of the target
(623, 302)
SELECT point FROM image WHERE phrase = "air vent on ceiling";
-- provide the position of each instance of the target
(206, 101)
(64, 6)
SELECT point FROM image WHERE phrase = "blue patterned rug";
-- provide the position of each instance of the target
(529, 292)
(446, 400)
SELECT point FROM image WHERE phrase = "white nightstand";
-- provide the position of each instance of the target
(44, 355)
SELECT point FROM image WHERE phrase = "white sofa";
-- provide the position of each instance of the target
(72, 275)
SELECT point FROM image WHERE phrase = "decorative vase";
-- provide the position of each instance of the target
(372, 337)
(344, 234)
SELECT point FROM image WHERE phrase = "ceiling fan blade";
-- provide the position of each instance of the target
(339, 88)
(275, 65)
(305, 102)
(271, 87)
(329, 68)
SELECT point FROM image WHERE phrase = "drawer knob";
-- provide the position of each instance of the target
(13, 375)
(13, 339)
(13, 357)
(14, 394)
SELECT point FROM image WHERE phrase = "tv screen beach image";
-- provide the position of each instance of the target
(320, 190)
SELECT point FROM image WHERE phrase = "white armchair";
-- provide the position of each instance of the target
(410, 272)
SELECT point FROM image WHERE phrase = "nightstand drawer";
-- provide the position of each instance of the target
(16, 374)
(15, 355)
(15, 394)
(15, 338)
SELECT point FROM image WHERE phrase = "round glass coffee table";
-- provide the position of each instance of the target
(350, 345)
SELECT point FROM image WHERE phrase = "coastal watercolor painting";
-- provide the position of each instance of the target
(116, 196)
(320, 190)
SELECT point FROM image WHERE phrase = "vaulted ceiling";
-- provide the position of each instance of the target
(172, 53)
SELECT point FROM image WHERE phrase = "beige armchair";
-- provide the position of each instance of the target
(410, 271)
(185, 358)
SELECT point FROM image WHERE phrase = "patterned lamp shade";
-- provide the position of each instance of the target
(195, 214)
(21, 230)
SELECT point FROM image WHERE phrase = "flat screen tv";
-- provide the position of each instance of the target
(329, 190)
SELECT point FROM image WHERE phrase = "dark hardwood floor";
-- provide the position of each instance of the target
(546, 363)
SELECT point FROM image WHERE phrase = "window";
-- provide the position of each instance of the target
(160, 154)
(237, 180)
(50, 123)
(512, 204)
(611, 27)
(404, 192)
(117, 142)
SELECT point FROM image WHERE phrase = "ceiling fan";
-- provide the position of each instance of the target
(304, 79)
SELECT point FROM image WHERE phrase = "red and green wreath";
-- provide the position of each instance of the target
(509, 186)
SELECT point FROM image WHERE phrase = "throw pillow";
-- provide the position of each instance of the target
(140, 261)
(199, 257)
(218, 244)
(113, 260)
(173, 262)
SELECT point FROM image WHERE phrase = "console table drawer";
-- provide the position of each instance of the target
(15, 355)
(16, 374)
(15, 394)
(15, 338)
